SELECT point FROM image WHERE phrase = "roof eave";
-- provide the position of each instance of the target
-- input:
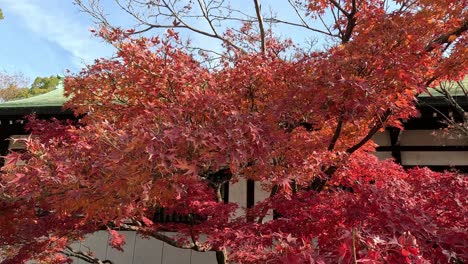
(40, 110)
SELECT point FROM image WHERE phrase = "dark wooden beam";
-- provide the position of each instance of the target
(421, 148)
(440, 168)
(250, 193)
(225, 192)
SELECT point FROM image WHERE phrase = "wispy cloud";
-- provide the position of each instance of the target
(64, 27)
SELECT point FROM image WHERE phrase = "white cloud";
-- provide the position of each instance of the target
(62, 26)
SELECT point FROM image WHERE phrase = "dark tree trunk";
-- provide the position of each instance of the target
(221, 257)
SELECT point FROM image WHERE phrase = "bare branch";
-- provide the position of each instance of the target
(462, 87)
(214, 34)
(276, 20)
(461, 127)
(335, 19)
(135, 226)
(94, 11)
(202, 5)
(339, 7)
(166, 10)
(327, 27)
(70, 252)
(452, 102)
(296, 10)
(260, 24)
(155, 26)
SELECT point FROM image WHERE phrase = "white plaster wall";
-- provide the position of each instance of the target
(422, 138)
(383, 155)
(238, 194)
(139, 250)
(446, 158)
(431, 138)
(382, 138)
(260, 195)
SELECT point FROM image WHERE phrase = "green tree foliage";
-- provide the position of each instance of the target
(15, 86)
(12, 93)
(44, 84)
(1, 14)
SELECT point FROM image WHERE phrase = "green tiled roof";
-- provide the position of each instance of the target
(55, 98)
(50, 99)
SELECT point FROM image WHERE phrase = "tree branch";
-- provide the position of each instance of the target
(260, 25)
(445, 38)
(70, 252)
(306, 26)
(319, 183)
(335, 19)
(204, 10)
(351, 23)
(199, 31)
(137, 227)
(449, 98)
(274, 191)
(337, 133)
(378, 125)
(339, 7)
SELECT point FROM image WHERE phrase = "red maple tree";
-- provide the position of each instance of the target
(158, 129)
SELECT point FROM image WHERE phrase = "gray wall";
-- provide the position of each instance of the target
(442, 155)
(138, 250)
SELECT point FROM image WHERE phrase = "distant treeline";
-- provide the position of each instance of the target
(15, 86)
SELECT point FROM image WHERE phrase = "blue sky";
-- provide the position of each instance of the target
(47, 37)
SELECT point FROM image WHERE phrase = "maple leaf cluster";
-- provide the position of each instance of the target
(155, 125)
